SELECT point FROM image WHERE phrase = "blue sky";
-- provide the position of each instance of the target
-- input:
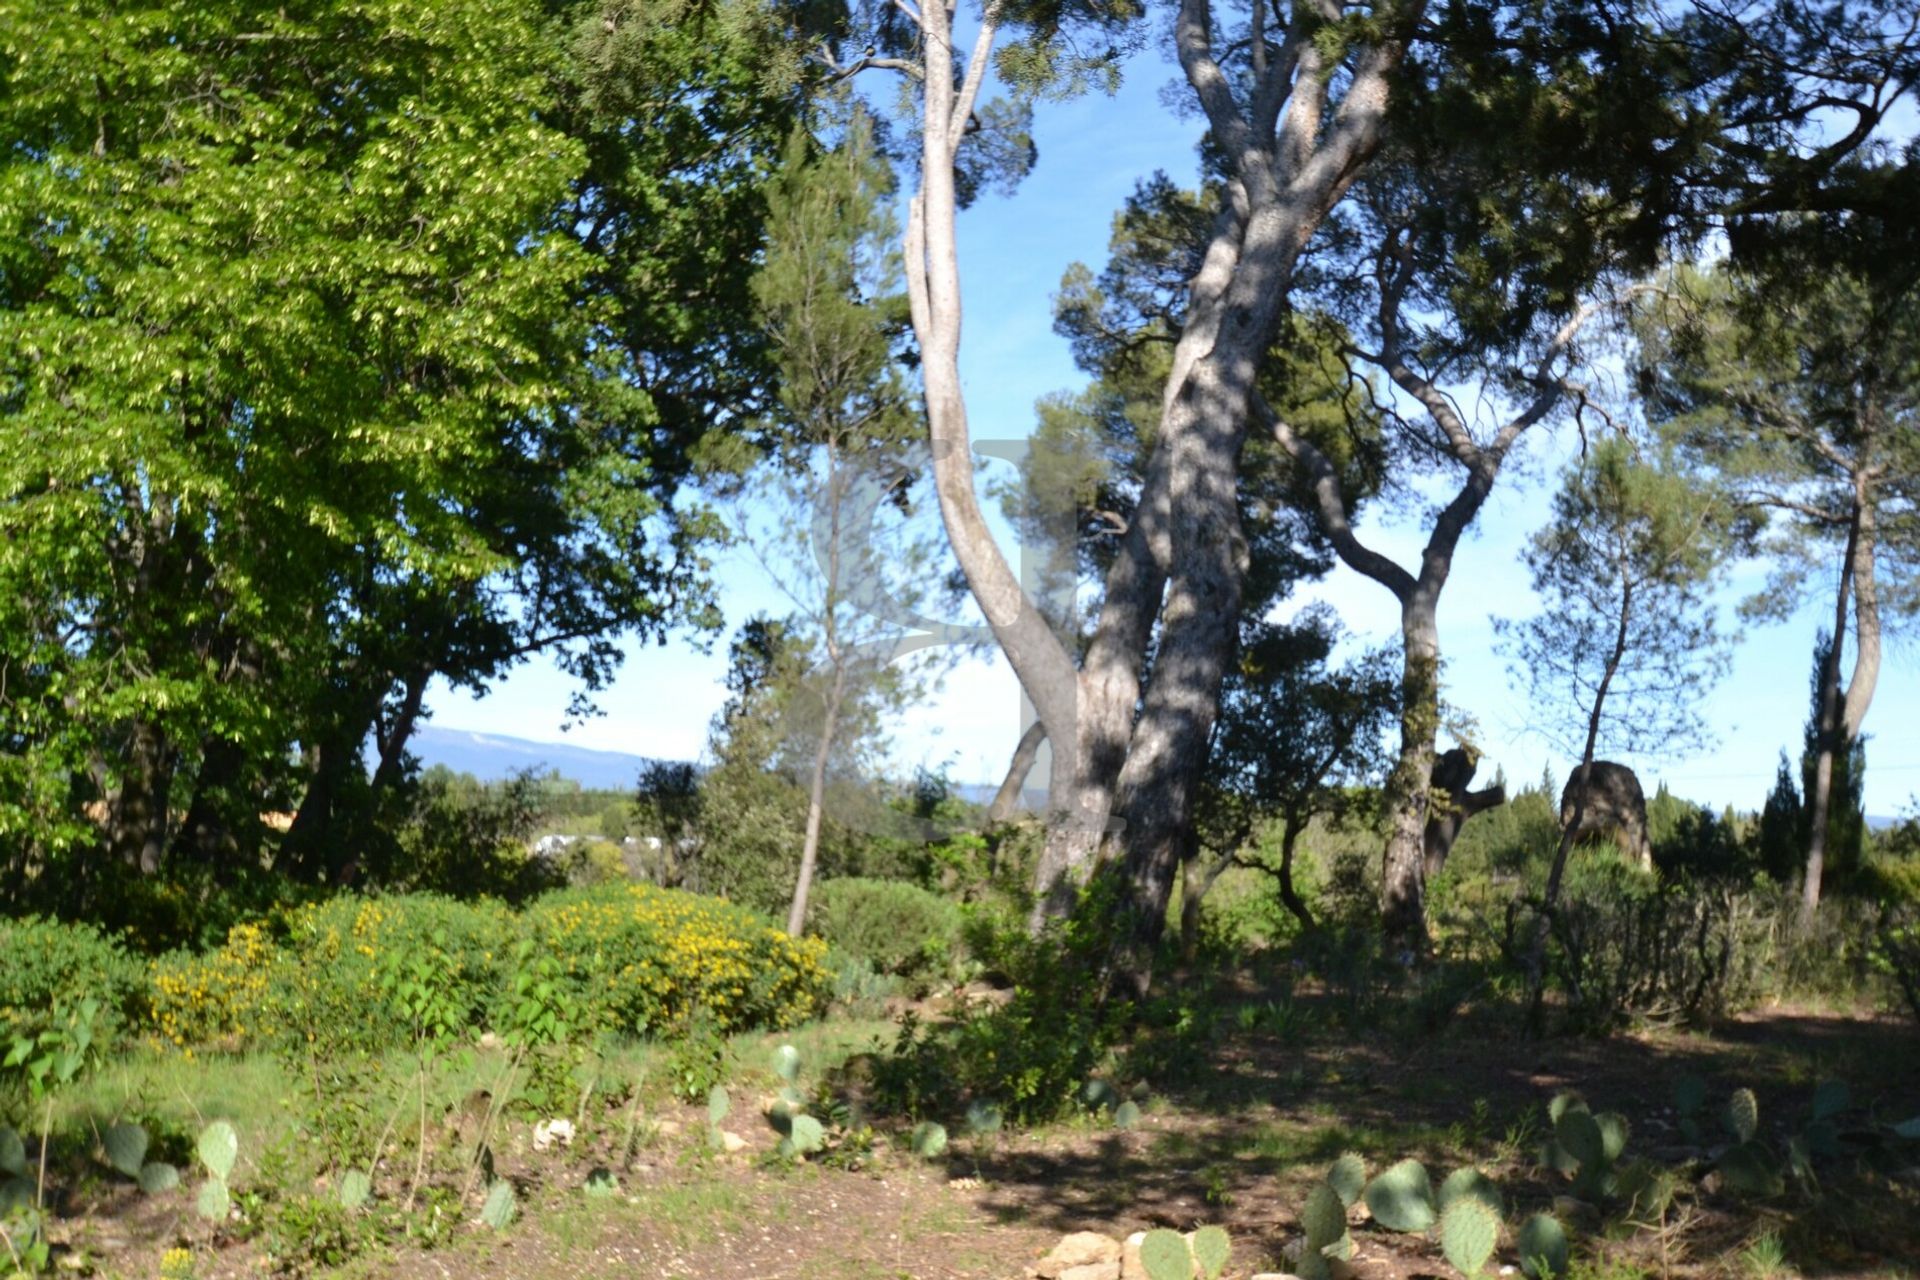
(1092, 151)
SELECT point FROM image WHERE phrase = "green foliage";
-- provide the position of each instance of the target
(1469, 1233)
(898, 928)
(1542, 1245)
(1164, 1255)
(53, 964)
(1401, 1197)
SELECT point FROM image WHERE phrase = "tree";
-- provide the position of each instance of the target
(838, 532)
(1624, 645)
(1780, 838)
(1805, 398)
(336, 357)
(1845, 844)
(1297, 739)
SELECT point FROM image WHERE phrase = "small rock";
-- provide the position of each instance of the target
(1092, 1271)
(667, 1128)
(552, 1133)
(488, 1040)
(1081, 1249)
(731, 1142)
(1131, 1268)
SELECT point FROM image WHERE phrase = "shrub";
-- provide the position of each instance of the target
(897, 928)
(50, 963)
(638, 958)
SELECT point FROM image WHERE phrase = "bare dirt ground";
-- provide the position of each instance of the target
(1236, 1141)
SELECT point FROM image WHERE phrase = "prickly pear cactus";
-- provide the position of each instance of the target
(1578, 1133)
(213, 1203)
(805, 1136)
(1165, 1256)
(983, 1117)
(1563, 1103)
(1211, 1249)
(501, 1206)
(1830, 1098)
(601, 1184)
(1542, 1243)
(126, 1146)
(786, 1063)
(13, 1153)
(1469, 1233)
(157, 1176)
(1750, 1169)
(1348, 1176)
(718, 1105)
(1323, 1217)
(1126, 1115)
(1743, 1115)
(1471, 1184)
(1401, 1198)
(929, 1139)
(219, 1147)
(1648, 1191)
(1614, 1132)
(355, 1189)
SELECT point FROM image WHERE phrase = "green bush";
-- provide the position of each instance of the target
(51, 963)
(897, 928)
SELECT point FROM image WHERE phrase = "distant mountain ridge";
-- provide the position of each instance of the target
(491, 757)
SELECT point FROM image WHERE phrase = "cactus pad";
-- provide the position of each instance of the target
(1211, 1249)
(1323, 1217)
(601, 1184)
(1126, 1115)
(219, 1147)
(157, 1176)
(1543, 1246)
(1689, 1095)
(1743, 1115)
(501, 1206)
(1647, 1190)
(805, 1135)
(1469, 1233)
(786, 1063)
(718, 1104)
(1614, 1132)
(126, 1146)
(1348, 1177)
(1749, 1169)
(1830, 1098)
(1473, 1185)
(983, 1117)
(929, 1139)
(1563, 1103)
(1578, 1134)
(1401, 1198)
(355, 1189)
(1165, 1256)
(213, 1203)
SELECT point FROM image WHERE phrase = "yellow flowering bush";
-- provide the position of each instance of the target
(217, 998)
(630, 958)
(638, 958)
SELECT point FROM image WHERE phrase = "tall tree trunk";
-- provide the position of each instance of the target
(1403, 888)
(1843, 711)
(137, 819)
(1289, 896)
(816, 803)
(206, 835)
